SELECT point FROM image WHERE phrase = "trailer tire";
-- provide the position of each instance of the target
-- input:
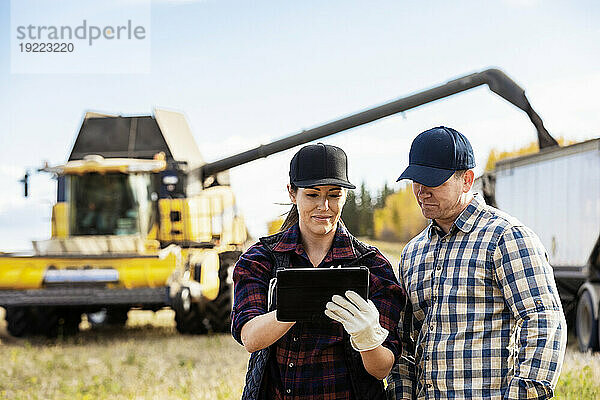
(586, 324)
(218, 311)
(20, 321)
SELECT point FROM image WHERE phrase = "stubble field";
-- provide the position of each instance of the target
(150, 360)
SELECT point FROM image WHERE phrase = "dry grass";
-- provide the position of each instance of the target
(580, 376)
(150, 360)
(147, 360)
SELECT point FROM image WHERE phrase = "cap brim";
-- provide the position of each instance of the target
(324, 181)
(428, 176)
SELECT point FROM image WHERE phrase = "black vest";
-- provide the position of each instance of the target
(364, 385)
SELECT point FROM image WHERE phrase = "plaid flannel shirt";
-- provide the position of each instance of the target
(483, 318)
(308, 361)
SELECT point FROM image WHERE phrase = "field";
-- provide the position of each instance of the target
(150, 360)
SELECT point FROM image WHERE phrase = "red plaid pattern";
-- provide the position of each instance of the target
(308, 361)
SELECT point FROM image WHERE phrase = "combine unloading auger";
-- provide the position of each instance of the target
(496, 80)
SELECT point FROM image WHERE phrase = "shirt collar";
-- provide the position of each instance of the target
(466, 219)
(341, 247)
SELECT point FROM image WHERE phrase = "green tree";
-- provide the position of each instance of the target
(365, 208)
(350, 213)
(382, 195)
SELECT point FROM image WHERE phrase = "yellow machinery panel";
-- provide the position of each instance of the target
(134, 272)
(210, 216)
(171, 220)
(60, 220)
(197, 219)
(208, 260)
(240, 234)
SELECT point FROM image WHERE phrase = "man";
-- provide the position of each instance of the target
(483, 318)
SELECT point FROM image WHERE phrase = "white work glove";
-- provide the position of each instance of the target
(359, 318)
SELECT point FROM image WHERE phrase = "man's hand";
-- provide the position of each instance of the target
(360, 319)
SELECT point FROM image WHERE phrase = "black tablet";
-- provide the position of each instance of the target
(302, 293)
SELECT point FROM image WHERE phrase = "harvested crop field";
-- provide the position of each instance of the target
(150, 360)
(147, 360)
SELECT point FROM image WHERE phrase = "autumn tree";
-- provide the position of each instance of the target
(400, 219)
(274, 226)
(496, 155)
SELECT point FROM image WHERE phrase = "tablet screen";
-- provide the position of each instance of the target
(302, 293)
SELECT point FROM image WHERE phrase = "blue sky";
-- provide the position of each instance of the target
(246, 73)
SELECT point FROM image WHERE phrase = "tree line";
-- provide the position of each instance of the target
(385, 214)
(388, 214)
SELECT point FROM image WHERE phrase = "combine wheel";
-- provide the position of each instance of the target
(57, 321)
(218, 311)
(117, 316)
(586, 323)
(108, 317)
(189, 317)
(20, 321)
(47, 321)
(68, 321)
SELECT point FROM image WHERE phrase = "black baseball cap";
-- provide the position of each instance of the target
(436, 154)
(320, 164)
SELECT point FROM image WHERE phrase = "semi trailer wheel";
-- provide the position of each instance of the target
(586, 324)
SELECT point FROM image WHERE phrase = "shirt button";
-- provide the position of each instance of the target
(295, 339)
(427, 358)
(430, 327)
(291, 365)
(288, 391)
(428, 386)
(439, 268)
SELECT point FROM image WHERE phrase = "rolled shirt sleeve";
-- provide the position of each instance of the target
(527, 282)
(251, 277)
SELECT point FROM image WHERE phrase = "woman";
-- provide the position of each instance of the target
(347, 356)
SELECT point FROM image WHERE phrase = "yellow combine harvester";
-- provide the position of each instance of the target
(133, 226)
(142, 221)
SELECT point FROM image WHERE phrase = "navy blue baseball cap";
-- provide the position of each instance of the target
(436, 154)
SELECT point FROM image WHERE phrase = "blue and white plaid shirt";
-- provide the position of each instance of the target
(483, 318)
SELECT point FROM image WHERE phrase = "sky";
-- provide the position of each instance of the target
(246, 73)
